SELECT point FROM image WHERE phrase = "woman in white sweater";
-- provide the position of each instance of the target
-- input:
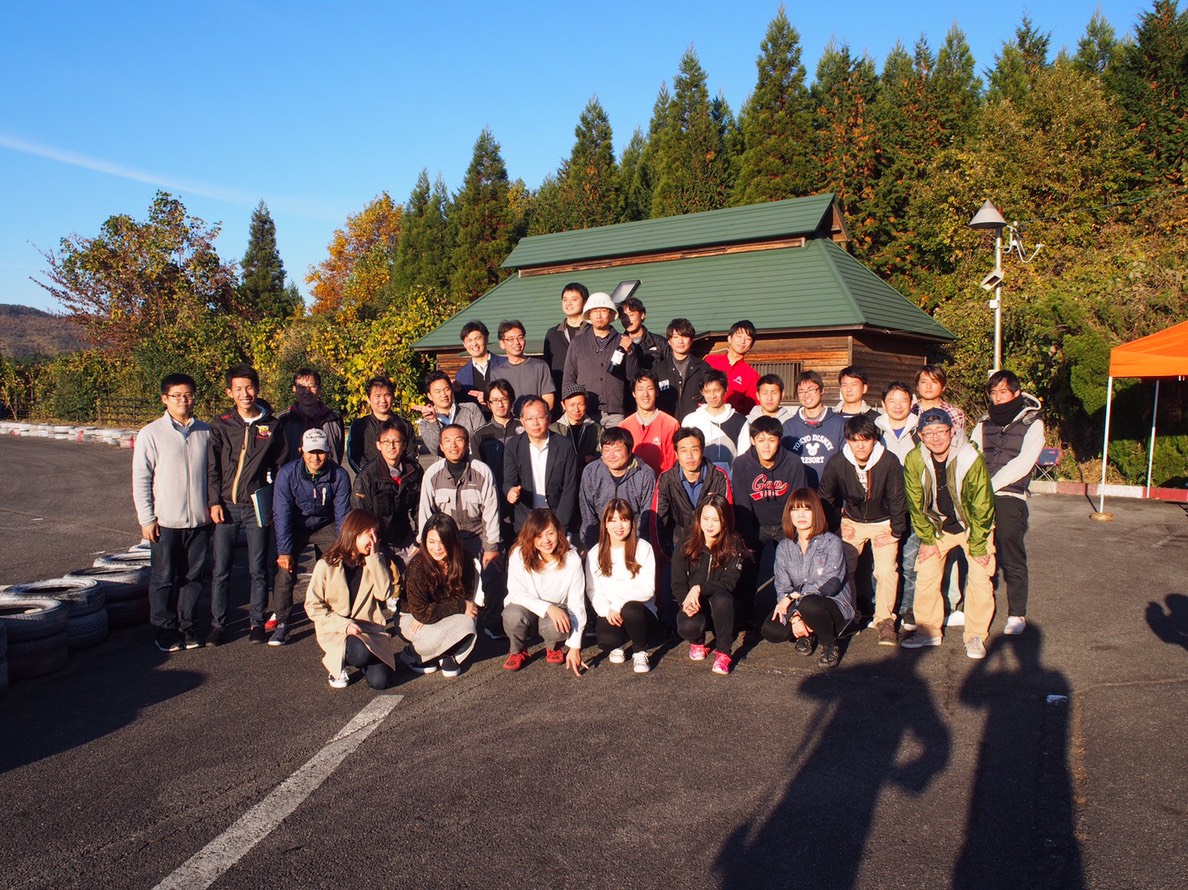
(545, 593)
(621, 583)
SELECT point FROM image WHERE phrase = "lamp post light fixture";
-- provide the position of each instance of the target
(988, 217)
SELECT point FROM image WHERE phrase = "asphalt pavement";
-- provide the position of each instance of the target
(1056, 762)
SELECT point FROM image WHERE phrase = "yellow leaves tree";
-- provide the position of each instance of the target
(359, 267)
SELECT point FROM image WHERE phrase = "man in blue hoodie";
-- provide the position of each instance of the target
(814, 433)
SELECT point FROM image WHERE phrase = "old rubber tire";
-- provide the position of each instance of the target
(87, 630)
(36, 658)
(119, 583)
(31, 617)
(81, 596)
(128, 613)
(131, 559)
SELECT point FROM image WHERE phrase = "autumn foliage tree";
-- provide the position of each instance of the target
(358, 269)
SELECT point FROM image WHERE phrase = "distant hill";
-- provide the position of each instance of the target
(26, 332)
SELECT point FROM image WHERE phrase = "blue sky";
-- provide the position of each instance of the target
(316, 107)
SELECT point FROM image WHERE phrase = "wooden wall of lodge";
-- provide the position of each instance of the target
(884, 357)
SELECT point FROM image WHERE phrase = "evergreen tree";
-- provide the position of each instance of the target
(585, 191)
(1152, 83)
(956, 91)
(776, 122)
(691, 164)
(262, 290)
(483, 221)
(635, 193)
(1020, 63)
(423, 252)
(1099, 48)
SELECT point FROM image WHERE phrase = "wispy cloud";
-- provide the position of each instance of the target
(74, 159)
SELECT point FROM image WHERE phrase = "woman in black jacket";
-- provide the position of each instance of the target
(705, 574)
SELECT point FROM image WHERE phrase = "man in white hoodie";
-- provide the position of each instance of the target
(898, 424)
(169, 491)
(727, 433)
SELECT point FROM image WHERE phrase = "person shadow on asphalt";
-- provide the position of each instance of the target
(815, 835)
(1020, 830)
(1170, 625)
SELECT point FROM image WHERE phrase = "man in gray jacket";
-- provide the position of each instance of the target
(618, 475)
(169, 492)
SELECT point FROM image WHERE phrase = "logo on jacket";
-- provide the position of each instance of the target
(263, 432)
(764, 488)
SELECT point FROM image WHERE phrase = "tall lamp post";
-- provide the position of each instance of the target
(988, 217)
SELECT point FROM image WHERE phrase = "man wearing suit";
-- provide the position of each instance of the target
(540, 468)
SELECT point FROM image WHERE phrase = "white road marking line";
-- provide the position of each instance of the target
(208, 864)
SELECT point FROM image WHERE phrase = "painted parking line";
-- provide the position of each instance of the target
(208, 864)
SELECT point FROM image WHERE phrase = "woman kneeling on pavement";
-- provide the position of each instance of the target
(345, 600)
(621, 582)
(816, 598)
(546, 593)
(438, 606)
(705, 572)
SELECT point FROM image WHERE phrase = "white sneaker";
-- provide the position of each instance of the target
(410, 660)
(956, 619)
(1015, 625)
(975, 648)
(617, 656)
(341, 680)
(639, 662)
(449, 667)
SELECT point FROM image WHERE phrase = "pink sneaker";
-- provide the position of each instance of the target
(698, 652)
(722, 664)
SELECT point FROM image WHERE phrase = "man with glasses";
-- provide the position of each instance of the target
(528, 376)
(814, 433)
(540, 468)
(951, 504)
(169, 491)
(391, 489)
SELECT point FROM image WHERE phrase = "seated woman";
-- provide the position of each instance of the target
(816, 599)
(345, 599)
(546, 593)
(621, 583)
(438, 605)
(705, 572)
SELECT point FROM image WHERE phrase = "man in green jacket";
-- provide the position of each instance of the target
(951, 504)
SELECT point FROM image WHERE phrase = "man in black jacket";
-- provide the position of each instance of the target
(683, 486)
(247, 448)
(364, 431)
(557, 339)
(679, 372)
(391, 489)
(540, 468)
(864, 484)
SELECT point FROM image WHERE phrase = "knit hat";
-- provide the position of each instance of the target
(935, 415)
(572, 389)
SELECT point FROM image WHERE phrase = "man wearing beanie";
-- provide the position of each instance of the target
(951, 504)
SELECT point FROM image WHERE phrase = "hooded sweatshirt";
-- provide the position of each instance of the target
(760, 493)
(873, 493)
(815, 441)
(905, 441)
(1011, 438)
(726, 436)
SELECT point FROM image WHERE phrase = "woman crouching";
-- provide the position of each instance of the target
(621, 581)
(345, 600)
(437, 608)
(816, 599)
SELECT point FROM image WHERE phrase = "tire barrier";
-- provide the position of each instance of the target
(3, 659)
(122, 438)
(36, 631)
(84, 599)
(131, 559)
(125, 588)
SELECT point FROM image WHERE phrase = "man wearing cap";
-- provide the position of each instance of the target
(311, 498)
(575, 425)
(951, 504)
(602, 362)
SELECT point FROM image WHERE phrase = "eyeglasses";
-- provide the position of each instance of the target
(183, 397)
(389, 443)
(808, 389)
(497, 400)
(511, 339)
(937, 433)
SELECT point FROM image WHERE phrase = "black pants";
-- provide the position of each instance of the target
(282, 588)
(764, 567)
(820, 613)
(178, 558)
(638, 623)
(1010, 529)
(377, 674)
(720, 606)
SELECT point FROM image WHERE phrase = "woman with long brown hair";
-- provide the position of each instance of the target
(351, 584)
(546, 593)
(621, 584)
(705, 573)
(437, 609)
(816, 599)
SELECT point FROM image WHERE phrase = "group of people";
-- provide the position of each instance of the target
(618, 487)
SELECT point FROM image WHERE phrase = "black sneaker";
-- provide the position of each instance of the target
(257, 635)
(217, 636)
(829, 657)
(806, 645)
(189, 640)
(280, 636)
(494, 634)
(169, 641)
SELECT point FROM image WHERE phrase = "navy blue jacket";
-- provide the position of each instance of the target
(301, 502)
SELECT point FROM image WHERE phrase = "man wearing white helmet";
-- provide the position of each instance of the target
(602, 361)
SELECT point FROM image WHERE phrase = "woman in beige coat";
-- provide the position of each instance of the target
(351, 584)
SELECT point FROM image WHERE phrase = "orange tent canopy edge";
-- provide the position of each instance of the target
(1163, 354)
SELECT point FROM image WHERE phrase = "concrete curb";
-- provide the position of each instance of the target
(1139, 492)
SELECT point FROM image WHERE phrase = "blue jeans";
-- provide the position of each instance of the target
(225, 534)
(907, 571)
(178, 558)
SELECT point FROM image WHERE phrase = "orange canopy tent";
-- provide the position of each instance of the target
(1164, 354)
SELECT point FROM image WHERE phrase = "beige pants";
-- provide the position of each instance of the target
(886, 562)
(979, 591)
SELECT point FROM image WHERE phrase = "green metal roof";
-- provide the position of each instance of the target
(755, 222)
(818, 286)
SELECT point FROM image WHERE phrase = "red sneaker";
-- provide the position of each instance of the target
(270, 624)
(722, 664)
(555, 656)
(698, 651)
(517, 660)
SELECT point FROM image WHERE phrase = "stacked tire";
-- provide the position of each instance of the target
(87, 622)
(36, 635)
(125, 584)
(3, 659)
